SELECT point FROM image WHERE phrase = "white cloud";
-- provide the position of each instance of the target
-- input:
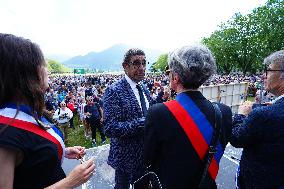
(72, 27)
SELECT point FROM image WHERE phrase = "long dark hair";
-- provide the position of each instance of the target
(20, 63)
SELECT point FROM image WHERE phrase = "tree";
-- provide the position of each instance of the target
(152, 68)
(55, 67)
(244, 40)
(221, 43)
(247, 43)
(161, 63)
(270, 24)
(235, 45)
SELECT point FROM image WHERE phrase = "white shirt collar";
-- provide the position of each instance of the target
(136, 92)
(131, 82)
(278, 98)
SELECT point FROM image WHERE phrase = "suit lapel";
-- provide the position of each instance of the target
(129, 91)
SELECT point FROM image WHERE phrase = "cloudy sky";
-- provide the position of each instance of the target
(76, 27)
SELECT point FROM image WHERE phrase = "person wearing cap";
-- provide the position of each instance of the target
(178, 132)
(125, 106)
(62, 116)
(260, 132)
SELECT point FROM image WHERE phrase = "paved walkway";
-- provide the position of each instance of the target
(104, 177)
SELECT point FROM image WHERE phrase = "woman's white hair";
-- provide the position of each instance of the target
(193, 64)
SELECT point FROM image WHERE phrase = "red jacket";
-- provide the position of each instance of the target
(71, 106)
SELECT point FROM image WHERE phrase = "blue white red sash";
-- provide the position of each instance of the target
(25, 121)
(197, 128)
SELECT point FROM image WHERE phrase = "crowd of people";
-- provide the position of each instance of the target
(159, 125)
(80, 94)
(75, 89)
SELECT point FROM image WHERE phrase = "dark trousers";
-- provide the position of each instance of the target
(96, 124)
(123, 180)
(72, 123)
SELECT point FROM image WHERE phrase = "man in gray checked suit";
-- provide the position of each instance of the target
(125, 107)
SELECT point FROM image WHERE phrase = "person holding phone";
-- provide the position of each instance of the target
(260, 132)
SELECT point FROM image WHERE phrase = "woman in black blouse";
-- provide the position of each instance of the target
(31, 148)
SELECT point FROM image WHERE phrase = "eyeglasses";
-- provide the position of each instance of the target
(138, 63)
(266, 70)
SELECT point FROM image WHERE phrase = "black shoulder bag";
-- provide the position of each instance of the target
(213, 143)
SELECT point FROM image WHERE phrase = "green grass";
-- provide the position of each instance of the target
(250, 98)
(76, 136)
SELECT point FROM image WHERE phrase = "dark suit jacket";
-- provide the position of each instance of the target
(169, 151)
(124, 124)
(261, 135)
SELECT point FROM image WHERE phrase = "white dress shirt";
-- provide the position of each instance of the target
(135, 91)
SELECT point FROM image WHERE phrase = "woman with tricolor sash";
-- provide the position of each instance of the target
(31, 147)
(185, 138)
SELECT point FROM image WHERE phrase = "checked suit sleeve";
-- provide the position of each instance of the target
(114, 124)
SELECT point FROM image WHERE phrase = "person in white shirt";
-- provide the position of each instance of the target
(62, 116)
(82, 104)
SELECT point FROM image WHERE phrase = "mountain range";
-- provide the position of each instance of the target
(109, 59)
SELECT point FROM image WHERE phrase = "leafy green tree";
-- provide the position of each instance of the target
(243, 41)
(56, 67)
(235, 44)
(221, 43)
(152, 68)
(161, 63)
(270, 24)
(247, 43)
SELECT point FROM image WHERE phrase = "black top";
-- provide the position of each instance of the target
(40, 166)
(94, 110)
(168, 150)
(89, 92)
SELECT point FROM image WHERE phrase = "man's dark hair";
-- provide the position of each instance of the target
(132, 52)
(20, 80)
